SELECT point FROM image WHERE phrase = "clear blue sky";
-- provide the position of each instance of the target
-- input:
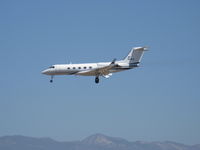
(158, 101)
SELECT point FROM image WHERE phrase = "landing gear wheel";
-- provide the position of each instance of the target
(97, 80)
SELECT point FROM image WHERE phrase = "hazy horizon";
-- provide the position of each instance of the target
(95, 134)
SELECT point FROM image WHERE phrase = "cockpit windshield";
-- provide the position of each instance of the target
(51, 67)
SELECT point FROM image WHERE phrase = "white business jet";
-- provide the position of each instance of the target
(104, 69)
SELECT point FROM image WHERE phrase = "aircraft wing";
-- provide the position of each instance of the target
(101, 71)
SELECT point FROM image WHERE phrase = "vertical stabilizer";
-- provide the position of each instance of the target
(135, 55)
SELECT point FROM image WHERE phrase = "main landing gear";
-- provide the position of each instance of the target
(97, 80)
(51, 80)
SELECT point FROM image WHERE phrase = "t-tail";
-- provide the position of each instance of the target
(135, 55)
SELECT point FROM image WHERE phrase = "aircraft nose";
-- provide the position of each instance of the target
(44, 72)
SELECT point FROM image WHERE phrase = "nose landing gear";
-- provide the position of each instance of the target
(97, 80)
(51, 80)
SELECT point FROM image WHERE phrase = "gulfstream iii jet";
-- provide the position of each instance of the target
(104, 69)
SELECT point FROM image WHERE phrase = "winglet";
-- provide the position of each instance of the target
(113, 62)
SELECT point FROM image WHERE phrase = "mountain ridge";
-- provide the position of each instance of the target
(94, 142)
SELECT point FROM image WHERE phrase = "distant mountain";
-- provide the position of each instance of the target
(93, 142)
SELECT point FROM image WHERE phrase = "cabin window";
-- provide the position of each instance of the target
(79, 67)
(85, 67)
(90, 67)
(74, 67)
(68, 68)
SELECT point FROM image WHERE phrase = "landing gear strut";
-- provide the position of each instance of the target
(51, 80)
(97, 80)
